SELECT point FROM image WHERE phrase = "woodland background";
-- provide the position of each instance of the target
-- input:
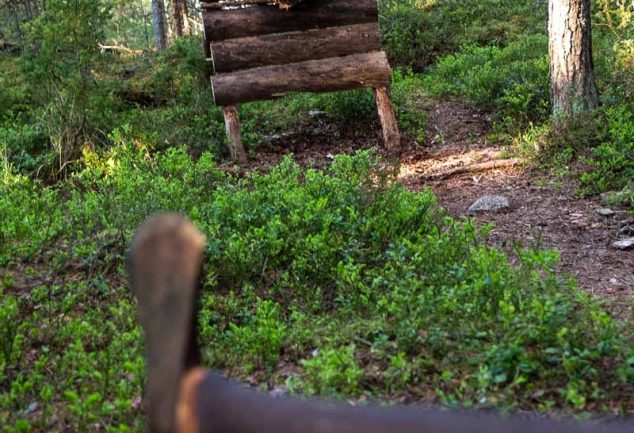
(328, 279)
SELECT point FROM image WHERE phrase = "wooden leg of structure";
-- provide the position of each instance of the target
(232, 125)
(391, 135)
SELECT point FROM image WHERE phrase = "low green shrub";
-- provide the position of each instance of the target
(612, 161)
(513, 81)
(332, 372)
(417, 32)
(390, 294)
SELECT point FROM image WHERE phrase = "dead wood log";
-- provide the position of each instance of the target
(283, 4)
(232, 126)
(220, 25)
(475, 168)
(279, 49)
(326, 75)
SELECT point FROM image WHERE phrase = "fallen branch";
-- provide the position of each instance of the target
(118, 48)
(475, 168)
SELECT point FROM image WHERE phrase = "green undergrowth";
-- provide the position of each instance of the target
(418, 32)
(509, 79)
(332, 283)
(163, 100)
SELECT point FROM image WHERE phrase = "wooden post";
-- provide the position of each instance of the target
(232, 125)
(391, 135)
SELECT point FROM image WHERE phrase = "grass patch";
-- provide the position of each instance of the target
(365, 288)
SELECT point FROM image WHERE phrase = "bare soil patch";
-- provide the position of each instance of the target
(545, 212)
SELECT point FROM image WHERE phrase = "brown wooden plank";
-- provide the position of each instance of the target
(294, 47)
(326, 75)
(391, 134)
(262, 20)
(232, 126)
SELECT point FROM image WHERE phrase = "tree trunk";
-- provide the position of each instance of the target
(181, 18)
(159, 23)
(573, 84)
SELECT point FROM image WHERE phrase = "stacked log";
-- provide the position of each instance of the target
(224, 4)
(260, 52)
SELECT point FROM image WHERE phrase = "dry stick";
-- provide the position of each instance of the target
(475, 168)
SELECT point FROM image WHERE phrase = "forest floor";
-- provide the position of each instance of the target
(545, 210)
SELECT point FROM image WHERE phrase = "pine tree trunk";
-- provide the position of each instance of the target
(573, 84)
(159, 23)
(181, 18)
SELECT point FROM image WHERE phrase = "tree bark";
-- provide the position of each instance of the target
(327, 75)
(221, 25)
(282, 48)
(573, 85)
(181, 18)
(159, 23)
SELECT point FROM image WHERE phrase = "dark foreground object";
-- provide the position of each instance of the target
(164, 264)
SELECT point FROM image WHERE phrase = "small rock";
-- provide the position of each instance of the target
(606, 212)
(624, 244)
(277, 392)
(490, 203)
(317, 113)
(31, 408)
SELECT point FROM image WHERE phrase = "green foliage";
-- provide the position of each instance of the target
(63, 52)
(417, 32)
(336, 282)
(513, 80)
(332, 372)
(298, 261)
(612, 161)
(259, 341)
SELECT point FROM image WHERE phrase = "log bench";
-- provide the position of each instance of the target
(260, 51)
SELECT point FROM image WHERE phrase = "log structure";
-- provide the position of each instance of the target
(165, 265)
(266, 49)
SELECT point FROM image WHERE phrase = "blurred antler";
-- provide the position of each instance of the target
(165, 261)
(164, 265)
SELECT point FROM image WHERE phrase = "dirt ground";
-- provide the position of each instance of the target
(545, 211)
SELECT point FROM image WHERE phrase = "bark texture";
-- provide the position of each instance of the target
(327, 75)
(571, 63)
(159, 23)
(181, 18)
(221, 25)
(389, 125)
(284, 48)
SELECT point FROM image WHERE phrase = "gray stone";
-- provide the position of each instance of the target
(317, 113)
(490, 203)
(624, 244)
(606, 212)
(278, 392)
(31, 408)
